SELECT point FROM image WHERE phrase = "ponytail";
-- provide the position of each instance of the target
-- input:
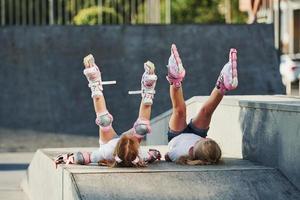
(187, 160)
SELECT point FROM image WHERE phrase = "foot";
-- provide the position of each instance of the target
(93, 75)
(148, 83)
(176, 72)
(228, 78)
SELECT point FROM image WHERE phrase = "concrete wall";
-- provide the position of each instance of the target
(263, 129)
(271, 136)
(43, 88)
(235, 179)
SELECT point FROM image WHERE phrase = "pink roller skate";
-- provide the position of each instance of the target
(228, 78)
(93, 75)
(176, 72)
(148, 83)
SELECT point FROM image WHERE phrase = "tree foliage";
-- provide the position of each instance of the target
(90, 16)
(196, 11)
(205, 11)
(182, 11)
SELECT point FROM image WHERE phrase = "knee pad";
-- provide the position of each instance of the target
(82, 158)
(142, 127)
(104, 120)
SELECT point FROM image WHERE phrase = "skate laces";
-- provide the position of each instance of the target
(149, 78)
(148, 83)
(93, 76)
(227, 79)
(176, 71)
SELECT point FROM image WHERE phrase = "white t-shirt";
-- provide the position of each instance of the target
(181, 144)
(106, 151)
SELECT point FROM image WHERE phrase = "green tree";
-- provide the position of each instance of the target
(196, 11)
(237, 15)
(90, 16)
(205, 11)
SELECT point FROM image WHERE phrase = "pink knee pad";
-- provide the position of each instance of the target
(141, 127)
(104, 120)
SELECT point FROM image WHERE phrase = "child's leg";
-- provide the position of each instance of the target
(175, 76)
(226, 81)
(103, 117)
(178, 118)
(142, 125)
(202, 120)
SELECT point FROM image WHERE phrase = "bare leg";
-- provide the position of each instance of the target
(202, 120)
(142, 126)
(227, 81)
(93, 75)
(256, 7)
(176, 73)
(100, 107)
(178, 118)
(252, 13)
(145, 111)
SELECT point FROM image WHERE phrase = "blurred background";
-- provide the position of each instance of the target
(104, 12)
(44, 98)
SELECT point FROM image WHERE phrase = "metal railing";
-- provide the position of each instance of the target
(77, 12)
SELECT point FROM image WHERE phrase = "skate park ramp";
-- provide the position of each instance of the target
(259, 128)
(234, 179)
(258, 136)
(45, 64)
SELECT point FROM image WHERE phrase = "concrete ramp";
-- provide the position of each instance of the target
(234, 179)
(260, 128)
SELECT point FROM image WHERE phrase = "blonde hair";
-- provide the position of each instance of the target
(127, 150)
(205, 152)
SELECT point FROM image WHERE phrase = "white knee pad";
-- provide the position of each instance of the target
(141, 127)
(104, 120)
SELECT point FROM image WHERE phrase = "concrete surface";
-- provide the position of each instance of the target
(263, 129)
(17, 140)
(12, 170)
(43, 89)
(234, 179)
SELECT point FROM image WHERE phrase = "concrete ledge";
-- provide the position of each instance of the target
(235, 179)
(263, 129)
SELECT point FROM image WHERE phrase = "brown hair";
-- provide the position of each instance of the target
(205, 152)
(127, 150)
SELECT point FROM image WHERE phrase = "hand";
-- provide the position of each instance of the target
(153, 155)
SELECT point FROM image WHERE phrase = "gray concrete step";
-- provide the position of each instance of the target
(234, 179)
(12, 170)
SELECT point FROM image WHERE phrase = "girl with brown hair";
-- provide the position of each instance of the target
(187, 142)
(115, 151)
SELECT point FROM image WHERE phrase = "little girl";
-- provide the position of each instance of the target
(115, 151)
(187, 142)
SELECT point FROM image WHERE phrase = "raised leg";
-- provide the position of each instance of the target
(175, 76)
(178, 118)
(202, 120)
(105, 135)
(142, 125)
(103, 117)
(227, 81)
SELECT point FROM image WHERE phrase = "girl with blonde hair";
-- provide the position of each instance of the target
(124, 150)
(187, 142)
